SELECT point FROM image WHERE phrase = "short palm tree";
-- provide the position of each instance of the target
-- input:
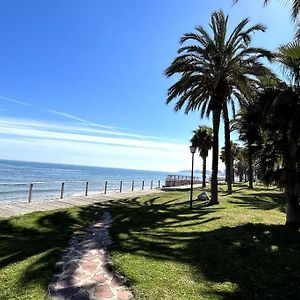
(241, 164)
(247, 123)
(202, 140)
(233, 156)
(212, 68)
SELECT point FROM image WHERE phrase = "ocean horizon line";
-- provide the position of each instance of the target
(46, 179)
(82, 165)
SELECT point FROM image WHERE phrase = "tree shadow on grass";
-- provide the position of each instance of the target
(258, 261)
(36, 244)
(263, 200)
(261, 260)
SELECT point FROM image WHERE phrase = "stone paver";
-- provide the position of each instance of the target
(85, 268)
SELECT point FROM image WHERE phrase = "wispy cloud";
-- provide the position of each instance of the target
(12, 100)
(72, 117)
(55, 112)
(89, 125)
(42, 130)
(57, 142)
(90, 143)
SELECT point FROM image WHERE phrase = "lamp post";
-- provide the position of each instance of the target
(193, 150)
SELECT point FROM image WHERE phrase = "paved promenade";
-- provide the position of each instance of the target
(20, 208)
(85, 269)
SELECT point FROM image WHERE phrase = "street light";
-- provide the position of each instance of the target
(193, 150)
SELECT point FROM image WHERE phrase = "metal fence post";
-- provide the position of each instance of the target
(86, 188)
(143, 184)
(132, 185)
(62, 190)
(121, 183)
(151, 184)
(30, 192)
(159, 183)
(105, 187)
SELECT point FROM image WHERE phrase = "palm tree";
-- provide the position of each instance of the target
(279, 155)
(202, 140)
(279, 140)
(289, 58)
(294, 3)
(247, 123)
(228, 157)
(233, 156)
(241, 163)
(212, 68)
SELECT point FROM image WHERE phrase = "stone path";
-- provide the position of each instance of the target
(85, 269)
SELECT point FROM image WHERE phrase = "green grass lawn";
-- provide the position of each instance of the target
(236, 250)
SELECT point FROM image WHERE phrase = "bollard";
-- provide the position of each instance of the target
(121, 183)
(151, 184)
(62, 190)
(86, 188)
(159, 183)
(132, 185)
(105, 187)
(30, 192)
(143, 184)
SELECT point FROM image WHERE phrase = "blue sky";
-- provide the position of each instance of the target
(82, 81)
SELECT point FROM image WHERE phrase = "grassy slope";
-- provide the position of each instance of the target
(29, 247)
(237, 250)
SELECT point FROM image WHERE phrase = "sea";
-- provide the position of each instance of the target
(47, 178)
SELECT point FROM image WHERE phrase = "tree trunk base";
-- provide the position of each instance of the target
(293, 214)
(210, 203)
(294, 225)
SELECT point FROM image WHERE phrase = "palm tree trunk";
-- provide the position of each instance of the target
(240, 175)
(250, 169)
(204, 173)
(215, 157)
(227, 149)
(293, 207)
(232, 170)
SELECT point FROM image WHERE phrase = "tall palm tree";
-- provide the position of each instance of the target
(227, 149)
(212, 68)
(247, 123)
(202, 140)
(280, 150)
